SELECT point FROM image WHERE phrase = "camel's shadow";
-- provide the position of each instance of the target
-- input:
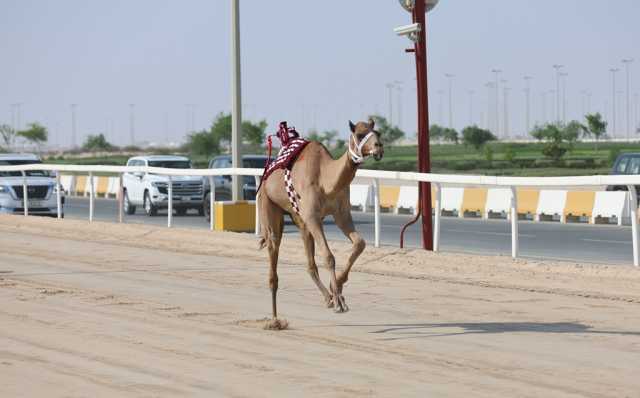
(426, 330)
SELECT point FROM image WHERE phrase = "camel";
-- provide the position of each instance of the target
(322, 184)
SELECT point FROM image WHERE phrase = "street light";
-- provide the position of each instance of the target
(557, 68)
(497, 87)
(627, 64)
(564, 76)
(527, 91)
(613, 89)
(418, 11)
(450, 77)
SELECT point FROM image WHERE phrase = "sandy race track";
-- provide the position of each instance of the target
(130, 310)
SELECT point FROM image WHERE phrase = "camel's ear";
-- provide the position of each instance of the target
(352, 126)
(372, 123)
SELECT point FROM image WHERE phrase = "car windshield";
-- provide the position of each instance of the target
(171, 164)
(30, 173)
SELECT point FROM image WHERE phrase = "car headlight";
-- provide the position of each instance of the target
(4, 189)
(159, 184)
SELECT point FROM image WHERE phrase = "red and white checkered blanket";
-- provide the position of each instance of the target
(286, 157)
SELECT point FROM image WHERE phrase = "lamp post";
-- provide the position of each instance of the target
(132, 123)
(613, 89)
(417, 33)
(73, 125)
(497, 87)
(390, 87)
(557, 68)
(471, 93)
(489, 86)
(564, 76)
(236, 100)
(627, 64)
(527, 92)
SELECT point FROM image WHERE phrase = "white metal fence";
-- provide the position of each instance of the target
(439, 180)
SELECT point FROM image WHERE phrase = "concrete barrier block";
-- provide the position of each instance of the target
(551, 204)
(498, 202)
(359, 196)
(408, 199)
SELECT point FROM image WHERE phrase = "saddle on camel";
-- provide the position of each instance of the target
(308, 184)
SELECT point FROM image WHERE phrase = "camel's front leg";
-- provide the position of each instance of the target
(345, 223)
(312, 268)
(315, 229)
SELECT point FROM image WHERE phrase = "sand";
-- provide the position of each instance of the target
(104, 309)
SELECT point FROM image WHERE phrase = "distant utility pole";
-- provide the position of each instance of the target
(543, 101)
(613, 90)
(132, 123)
(527, 92)
(166, 127)
(627, 64)
(489, 87)
(505, 98)
(471, 93)
(450, 78)
(73, 125)
(552, 94)
(564, 77)
(497, 87)
(390, 87)
(398, 85)
(441, 107)
(557, 68)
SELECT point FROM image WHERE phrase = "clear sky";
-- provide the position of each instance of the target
(313, 63)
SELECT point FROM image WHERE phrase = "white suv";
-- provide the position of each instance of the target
(41, 187)
(151, 190)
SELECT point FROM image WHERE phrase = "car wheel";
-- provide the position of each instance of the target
(128, 207)
(149, 208)
(201, 210)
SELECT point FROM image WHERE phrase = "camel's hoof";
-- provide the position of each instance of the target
(341, 305)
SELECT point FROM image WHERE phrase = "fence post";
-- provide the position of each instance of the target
(257, 208)
(633, 206)
(91, 197)
(25, 199)
(438, 211)
(121, 198)
(212, 201)
(376, 212)
(58, 196)
(514, 222)
(170, 206)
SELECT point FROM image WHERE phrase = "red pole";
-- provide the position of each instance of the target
(424, 155)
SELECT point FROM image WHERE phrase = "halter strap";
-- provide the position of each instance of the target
(356, 156)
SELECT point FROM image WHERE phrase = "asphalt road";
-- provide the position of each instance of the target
(551, 240)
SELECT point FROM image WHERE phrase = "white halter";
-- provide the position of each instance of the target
(356, 156)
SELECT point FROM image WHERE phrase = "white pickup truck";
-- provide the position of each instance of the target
(41, 187)
(151, 191)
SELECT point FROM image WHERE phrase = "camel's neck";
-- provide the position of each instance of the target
(339, 174)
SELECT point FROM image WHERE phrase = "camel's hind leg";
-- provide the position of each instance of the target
(272, 221)
(312, 268)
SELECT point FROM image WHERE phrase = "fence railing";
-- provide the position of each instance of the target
(439, 181)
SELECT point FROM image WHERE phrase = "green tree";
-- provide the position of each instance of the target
(388, 133)
(558, 139)
(203, 143)
(35, 134)
(476, 137)
(8, 135)
(596, 127)
(450, 135)
(254, 132)
(313, 135)
(97, 143)
(436, 132)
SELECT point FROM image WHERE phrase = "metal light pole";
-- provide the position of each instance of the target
(557, 68)
(399, 92)
(418, 9)
(544, 107)
(489, 86)
(441, 107)
(613, 89)
(450, 77)
(73, 125)
(564, 97)
(497, 87)
(471, 93)
(390, 87)
(505, 97)
(132, 123)
(236, 100)
(627, 64)
(527, 92)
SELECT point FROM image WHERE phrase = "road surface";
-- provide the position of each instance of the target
(550, 240)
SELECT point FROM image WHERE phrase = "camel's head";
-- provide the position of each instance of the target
(364, 141)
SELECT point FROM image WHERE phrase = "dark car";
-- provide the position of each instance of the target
(223, 183)
(626, 163)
